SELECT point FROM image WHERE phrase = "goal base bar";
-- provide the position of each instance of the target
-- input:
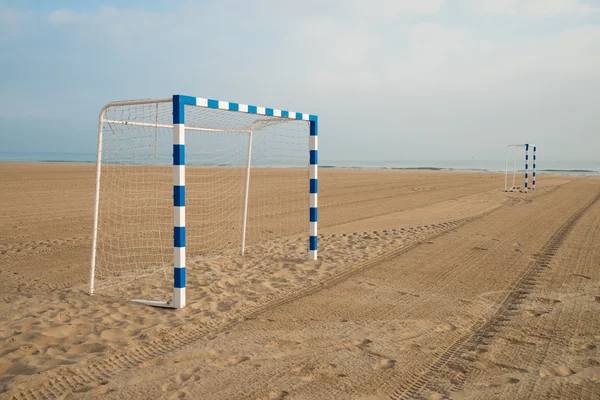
(517, 189)
(163, 304)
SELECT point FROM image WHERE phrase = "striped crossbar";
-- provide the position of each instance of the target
(231, 106)
(179, 103)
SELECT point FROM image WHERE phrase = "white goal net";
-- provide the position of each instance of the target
(134, 243)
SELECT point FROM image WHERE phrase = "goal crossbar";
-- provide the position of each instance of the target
(272, 116)
(168, 126)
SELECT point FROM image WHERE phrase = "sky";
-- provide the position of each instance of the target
(389, 79)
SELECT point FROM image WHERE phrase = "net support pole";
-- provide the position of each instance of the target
(314, 187)
(506, 170)
(245, 216)
(96, 202)
(514, 167)
(533, 172)
(179, 271)
(526, 167)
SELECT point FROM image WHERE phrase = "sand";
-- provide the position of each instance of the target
(430, 285)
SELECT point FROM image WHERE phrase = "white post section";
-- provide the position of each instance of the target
(512, 187)
(96, 202)
(506, 170)
(245, 217)
(314, 188)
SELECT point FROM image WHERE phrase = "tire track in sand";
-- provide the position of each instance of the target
(485, 334)
(334, 327)
(99, 370)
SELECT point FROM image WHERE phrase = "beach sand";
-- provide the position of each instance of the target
(429, 285)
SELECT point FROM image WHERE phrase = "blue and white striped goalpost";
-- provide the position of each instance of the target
(527, 146)
(178, 203)
(533, 172)
(179, 104)
(314, 188)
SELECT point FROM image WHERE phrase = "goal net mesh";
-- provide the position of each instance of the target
(134, 252)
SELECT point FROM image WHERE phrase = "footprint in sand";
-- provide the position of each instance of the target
(436, 396)
(563, 371)
(445, 328)
(182, 380)
(558, 371)
(86, 348)
(357, 343)
(533, 313)
(384, 364)
(61, 331)
(302, 369)
(546, 300)
(276, 395)
(499, 381)
(61, 316)
(230, 362)
(587, 347)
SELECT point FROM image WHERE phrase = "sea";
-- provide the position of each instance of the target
(575, 167)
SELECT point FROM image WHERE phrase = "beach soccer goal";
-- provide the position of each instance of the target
(514, 148)
(188, 178)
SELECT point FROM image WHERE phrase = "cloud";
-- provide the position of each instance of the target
(532, 8)
(66, 16)
(122, 27)
(392, 9)
(403, 71)
(13, 24)
(431, 80)
(432, 59)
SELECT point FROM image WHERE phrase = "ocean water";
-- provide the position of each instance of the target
(576, 167)
(48, 157)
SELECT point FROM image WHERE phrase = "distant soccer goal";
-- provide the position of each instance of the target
(186, 177)
(515, 188)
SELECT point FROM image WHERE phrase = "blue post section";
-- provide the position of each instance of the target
(178, 154)
(313, 214)
(179, 196)
(179, 236)
(179, 278)
(314, 186)
(179, 103)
